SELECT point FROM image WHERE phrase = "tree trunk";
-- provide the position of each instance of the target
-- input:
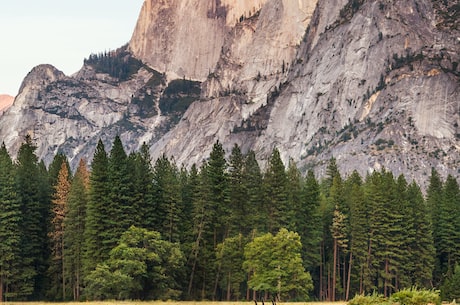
(321, 270)
(195, 257)
(1, 288)
(229, 287)
(347, 294)
(63, 275)
(334, 270)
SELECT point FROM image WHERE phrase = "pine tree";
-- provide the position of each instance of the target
(120, 210)
(96, 226)
(422, 251)
(168, 203)
(448, 229)
(56, 235)
(74, 230)
(294, 195)
(253, 184)
(434, 204)
(309, 224)
(359, 228)
(276, 197)
(238, 209)
(55, 167)
(143, 197)
(35, 211)
(10, 222)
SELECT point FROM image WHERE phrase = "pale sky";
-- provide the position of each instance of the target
(59, 32)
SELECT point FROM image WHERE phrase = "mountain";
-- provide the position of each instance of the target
(373, 83)
(5, 102)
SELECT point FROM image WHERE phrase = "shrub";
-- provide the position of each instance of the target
(373, 299)
(408, 296)
(414, 296)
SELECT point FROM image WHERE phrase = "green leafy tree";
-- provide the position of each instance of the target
(275, 266)
(141, 266)
(10, 222)
(230, 257)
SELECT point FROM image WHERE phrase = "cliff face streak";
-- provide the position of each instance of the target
(373, 83)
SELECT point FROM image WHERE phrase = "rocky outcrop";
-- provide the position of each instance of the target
(5, 102)
(373, 83)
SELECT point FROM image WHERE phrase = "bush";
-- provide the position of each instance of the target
(411, 296)
(373, 299)
(414, 296)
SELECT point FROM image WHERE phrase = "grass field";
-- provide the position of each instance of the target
(169, 303)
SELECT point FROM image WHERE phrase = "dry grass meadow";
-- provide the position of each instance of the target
(169, 303)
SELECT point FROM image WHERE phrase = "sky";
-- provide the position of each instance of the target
(59, 32)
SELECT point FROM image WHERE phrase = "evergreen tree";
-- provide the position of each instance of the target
(359, 228)
(238, 209)
(167, 199)
(74, 230)
(96, 224)
(275, 189)
(447, 231)
(120, 211)
(294, 196)
(55, 167)
(35, 220)
(217, 178)
(143, 197)
(56, 235)
(309, 224)
(210, 224)
(434, 204)
(253, 184)
(421, 252)
(10, 232)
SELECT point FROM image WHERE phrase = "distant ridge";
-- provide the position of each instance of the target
(5, 102)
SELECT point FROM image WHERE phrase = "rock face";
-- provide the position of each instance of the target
(5, 102)
(373, 83)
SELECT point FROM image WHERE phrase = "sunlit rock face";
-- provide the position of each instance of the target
(374, 84)
(5, 102)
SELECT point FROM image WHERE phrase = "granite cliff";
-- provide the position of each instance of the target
(373, 83)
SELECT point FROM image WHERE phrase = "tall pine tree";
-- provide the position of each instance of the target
(74, 230)
(57, 290)
(97, 227)
(35, 211)
(10, 233)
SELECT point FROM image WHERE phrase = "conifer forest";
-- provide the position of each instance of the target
(129, 227)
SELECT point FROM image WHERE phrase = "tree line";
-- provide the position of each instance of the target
(131, 228)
